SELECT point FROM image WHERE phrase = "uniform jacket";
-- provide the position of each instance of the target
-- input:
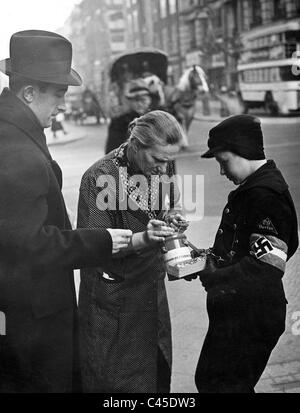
(123, 318)
(258, 234)
(38, 251)
(246, 304)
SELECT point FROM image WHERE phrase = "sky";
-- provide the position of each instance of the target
(19, 15)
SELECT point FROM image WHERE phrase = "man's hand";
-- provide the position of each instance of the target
(177, 221)
(120, 239)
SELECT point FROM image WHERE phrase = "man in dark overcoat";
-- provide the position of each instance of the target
(138, 100)
(38, 248)
(257, 235)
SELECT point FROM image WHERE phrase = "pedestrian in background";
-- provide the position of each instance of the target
(257, 235)
(139, 102)
(57, 124)
(38, 248)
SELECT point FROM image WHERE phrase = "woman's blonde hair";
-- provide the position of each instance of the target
(154, 128)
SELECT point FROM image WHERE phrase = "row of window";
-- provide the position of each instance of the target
(164, 6)
(270, 75)
(280, 10)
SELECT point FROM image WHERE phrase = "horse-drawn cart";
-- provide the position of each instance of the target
(141, 63)
(152, 65)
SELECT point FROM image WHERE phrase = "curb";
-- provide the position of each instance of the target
(66, 142)
(264, 120)
(208, 119)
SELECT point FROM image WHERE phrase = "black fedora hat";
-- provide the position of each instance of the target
(41, 55)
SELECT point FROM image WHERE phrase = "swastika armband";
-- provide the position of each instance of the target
(269, 249)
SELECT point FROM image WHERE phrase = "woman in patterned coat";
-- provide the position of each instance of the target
(124, 316)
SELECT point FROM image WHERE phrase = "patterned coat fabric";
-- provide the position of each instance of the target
(123, 318)
(38, 251)
(246, 303)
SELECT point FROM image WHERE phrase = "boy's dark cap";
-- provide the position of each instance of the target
(241, 134)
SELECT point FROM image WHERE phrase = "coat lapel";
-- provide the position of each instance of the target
(14, 111)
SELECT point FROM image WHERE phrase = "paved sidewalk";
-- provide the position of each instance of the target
(280, 378)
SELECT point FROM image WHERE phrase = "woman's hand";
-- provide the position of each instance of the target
(121, 238)
(157, 231)
(177, 221)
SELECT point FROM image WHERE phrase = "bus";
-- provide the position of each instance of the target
(269, 69)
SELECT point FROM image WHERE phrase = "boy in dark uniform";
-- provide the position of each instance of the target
(258, 234)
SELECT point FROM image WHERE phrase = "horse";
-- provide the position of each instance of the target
(180, 100)
(157, 92)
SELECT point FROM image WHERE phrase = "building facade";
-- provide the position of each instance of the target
(139, 23)
(219, 34)
(98, 34)
(216, 34)
(190, 31)
(155, 23)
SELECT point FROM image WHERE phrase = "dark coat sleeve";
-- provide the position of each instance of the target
(24, 234)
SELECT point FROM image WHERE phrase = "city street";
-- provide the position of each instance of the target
(187, 300)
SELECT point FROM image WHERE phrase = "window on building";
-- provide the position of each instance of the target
(135, 20)
(279, 9)
(163, 8)
(217, 19)
(256, 13)
(174, 38)
(193, 37)
(117, 37)
(157, 40)
(165, 39)
(274, 74)
(155, 11)
(118, 15)
(172, 6)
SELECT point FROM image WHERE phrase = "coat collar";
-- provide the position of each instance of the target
(267, 176)
(15, 112)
